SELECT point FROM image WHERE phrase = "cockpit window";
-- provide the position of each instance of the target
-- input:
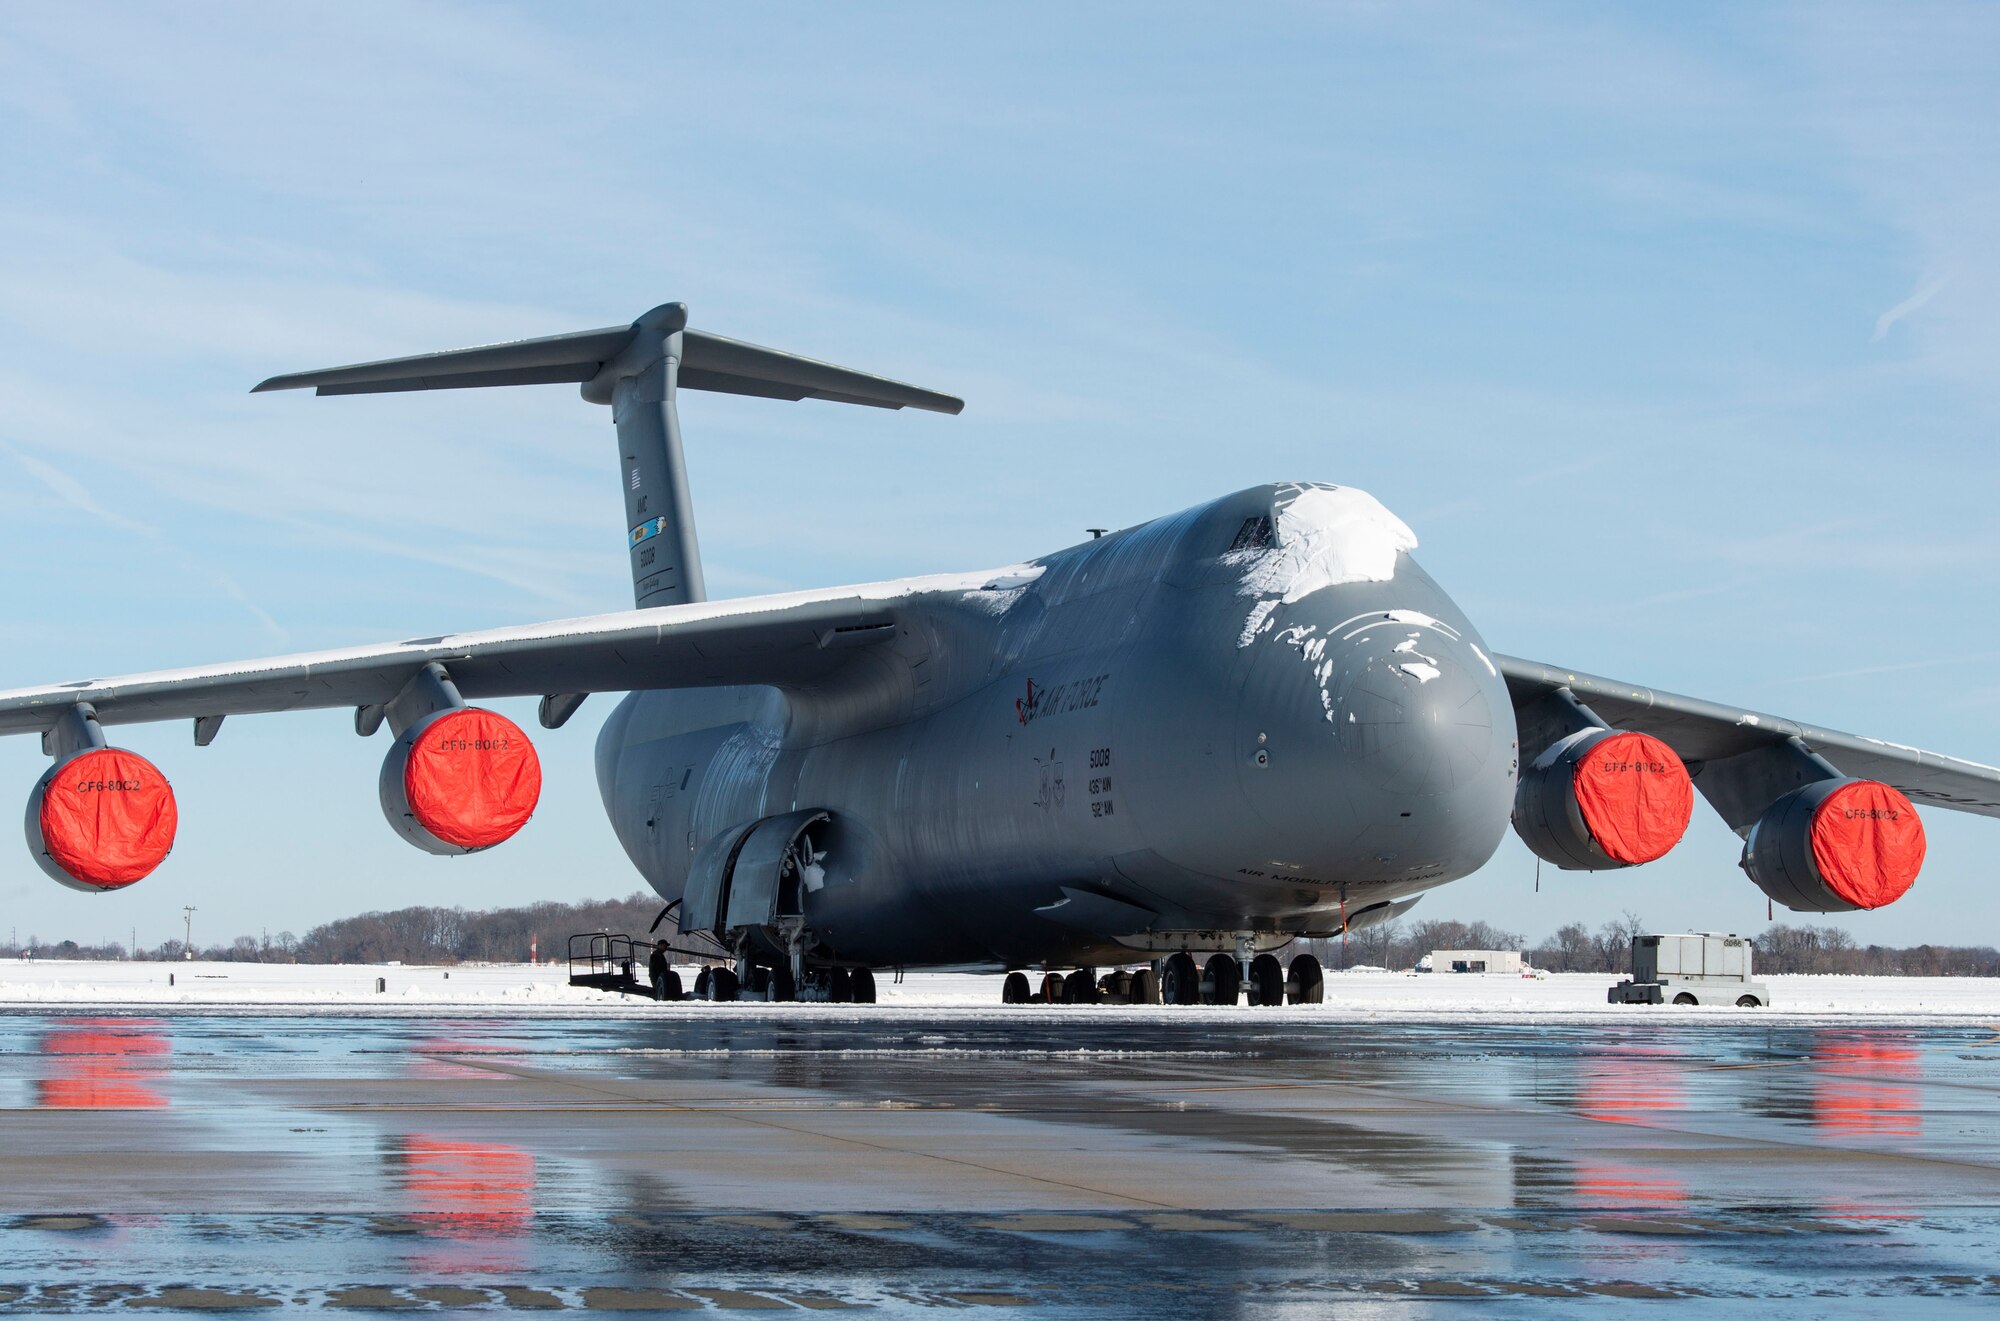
(1255, 534)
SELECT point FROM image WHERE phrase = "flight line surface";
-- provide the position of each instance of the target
(1096, 1162)
(520, 989)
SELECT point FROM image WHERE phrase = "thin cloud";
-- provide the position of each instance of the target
(77, 496)
(1902, 667)
(1904, 308)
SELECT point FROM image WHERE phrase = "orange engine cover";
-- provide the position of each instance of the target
(1833, 846)
(1604, 798)
(101, 820)
(460, 781)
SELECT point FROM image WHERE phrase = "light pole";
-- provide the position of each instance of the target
(187, 936)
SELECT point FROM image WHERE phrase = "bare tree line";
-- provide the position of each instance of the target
(407, 935)
(1576, 948)
(503, 935)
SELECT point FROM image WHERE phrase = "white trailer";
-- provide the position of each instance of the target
(1691, 968)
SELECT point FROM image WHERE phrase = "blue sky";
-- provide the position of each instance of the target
(1671, 330)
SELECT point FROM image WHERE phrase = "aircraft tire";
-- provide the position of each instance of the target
(1145, 988)
(1308, 981)
(1182, 983)
(1079, 988)
(1051, 992)
(1224, 978)
(722, 985)
(784, 989)
(1014, 991)
(673, 986)
(864, 986)
(1267, 980)
(839, 986)
(701, 980)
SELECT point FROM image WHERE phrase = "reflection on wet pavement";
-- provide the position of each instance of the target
(1857, 1090)
(100, 1064)
(886, 1159)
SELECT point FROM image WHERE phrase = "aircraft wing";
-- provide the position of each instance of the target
(1702, 731)
(797, 639)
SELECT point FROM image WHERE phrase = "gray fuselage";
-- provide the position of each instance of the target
(1211, 725)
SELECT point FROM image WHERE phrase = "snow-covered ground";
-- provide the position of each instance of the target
(525, 989)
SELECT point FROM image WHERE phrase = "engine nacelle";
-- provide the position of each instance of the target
(1603, 798)
(1836, 845)
(101, 819)
(460, 780)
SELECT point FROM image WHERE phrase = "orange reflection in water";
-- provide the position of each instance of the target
(432, 1058)
(1605, 1184)
(1856, 1086)
(101, 1064)
(469, 1190)
(1638, 1086)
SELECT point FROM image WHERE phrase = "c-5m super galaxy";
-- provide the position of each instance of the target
(1171, 750)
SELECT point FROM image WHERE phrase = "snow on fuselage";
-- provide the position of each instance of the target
(1248, 716)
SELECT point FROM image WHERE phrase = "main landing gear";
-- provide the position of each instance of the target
(1178, 980)
(826, 985)
(607, 962)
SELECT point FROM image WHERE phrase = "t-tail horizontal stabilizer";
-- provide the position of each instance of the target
(637, 369)
(707, 362)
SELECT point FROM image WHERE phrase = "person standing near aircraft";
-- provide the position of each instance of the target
(658, 970)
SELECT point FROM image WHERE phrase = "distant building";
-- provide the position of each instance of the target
(1475, 960)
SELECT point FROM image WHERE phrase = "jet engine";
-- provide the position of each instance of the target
(1599, 799)
(101, 819)
(1836, 845)
(460, 780)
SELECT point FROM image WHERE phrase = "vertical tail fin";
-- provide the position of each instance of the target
(638, 370)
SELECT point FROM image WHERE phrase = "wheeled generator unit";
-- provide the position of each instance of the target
(1691, 968)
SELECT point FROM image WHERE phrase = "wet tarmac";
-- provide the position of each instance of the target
(1198, 1166)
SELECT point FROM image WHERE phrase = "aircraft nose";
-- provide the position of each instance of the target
(1413, 706)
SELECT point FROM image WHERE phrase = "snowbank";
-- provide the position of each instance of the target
(524, 989)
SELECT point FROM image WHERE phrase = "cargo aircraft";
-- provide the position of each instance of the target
(1171, 750)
